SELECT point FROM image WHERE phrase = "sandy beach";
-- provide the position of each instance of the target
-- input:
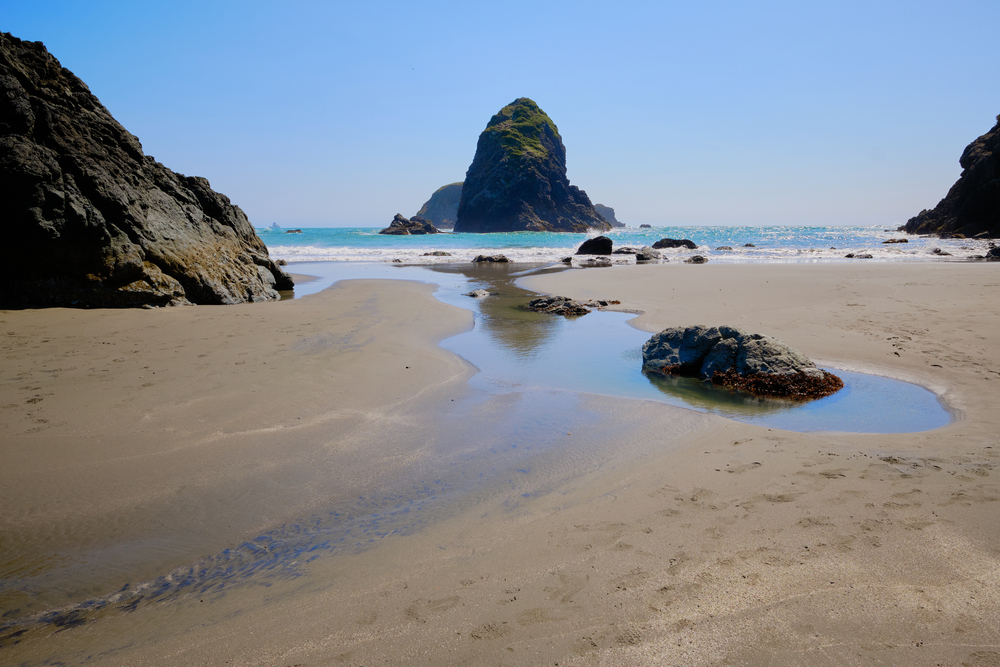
(646, 534)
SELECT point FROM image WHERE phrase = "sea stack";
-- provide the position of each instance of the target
(441, 209)
(972, 206)
(517, 180)
(93, 222)
(608, 214)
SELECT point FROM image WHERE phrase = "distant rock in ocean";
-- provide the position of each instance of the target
(401, 226)
(608, 214)
(972, 206)
(442, 208)
(517, 180)
(92, 221)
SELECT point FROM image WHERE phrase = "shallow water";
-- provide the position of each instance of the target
(519, 350)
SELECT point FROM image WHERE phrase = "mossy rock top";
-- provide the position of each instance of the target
(520, 125)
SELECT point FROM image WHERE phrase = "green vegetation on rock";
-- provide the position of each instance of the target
(520, 126)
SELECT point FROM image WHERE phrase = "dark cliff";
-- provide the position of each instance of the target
(972, 206)
(92, 221)
(441, 209)
(608, 214)
(517, 180)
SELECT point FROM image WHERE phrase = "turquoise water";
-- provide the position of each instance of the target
(770, 244)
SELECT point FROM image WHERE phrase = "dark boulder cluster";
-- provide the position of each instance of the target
(401, 226)
(730, 357)
(972, 205)
(602, 245)
(517, 180)
(563, 305)
(491, 259)
(97, 223)
(558, 305)
(675, 243)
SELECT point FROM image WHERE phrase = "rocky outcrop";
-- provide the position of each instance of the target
(563, 305)
(608, 214)
(401, 226)
(517, 180)
(558, 305)
(972, 206)
(675, 243)
(92, 221)
(599, 245)
(647, 254)
(733, 358)
(441, 209)
(496, 259)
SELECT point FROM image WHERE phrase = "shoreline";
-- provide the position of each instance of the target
(650, 534)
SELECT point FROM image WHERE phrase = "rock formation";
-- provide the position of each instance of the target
(730, 357)
(517, 180)
(599, 245)
(972, 206)
(92, 221)
(675, 243)
(401, 226)
(608, 214)
(647, 254)
(441, 210)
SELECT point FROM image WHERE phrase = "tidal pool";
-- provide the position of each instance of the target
(519, 350)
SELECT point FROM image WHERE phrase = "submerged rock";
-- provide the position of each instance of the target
(517, 180)
(479, 293)
(401, 226)
(972, 205)
(731, 357)
(94, 221)
(696, 259)
(441, 209)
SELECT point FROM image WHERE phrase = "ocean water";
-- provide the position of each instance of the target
(766, 244)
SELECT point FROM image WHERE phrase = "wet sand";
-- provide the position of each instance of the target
(640, 534)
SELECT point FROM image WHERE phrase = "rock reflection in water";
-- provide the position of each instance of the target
(703, 395)
(502, 316)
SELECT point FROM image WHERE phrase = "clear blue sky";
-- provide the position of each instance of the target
(345, 113)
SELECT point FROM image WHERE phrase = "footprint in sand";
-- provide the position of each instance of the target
(420, 610)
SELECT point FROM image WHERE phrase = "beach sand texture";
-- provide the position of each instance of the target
(661, 536)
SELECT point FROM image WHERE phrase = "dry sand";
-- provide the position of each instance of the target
(665, 537)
